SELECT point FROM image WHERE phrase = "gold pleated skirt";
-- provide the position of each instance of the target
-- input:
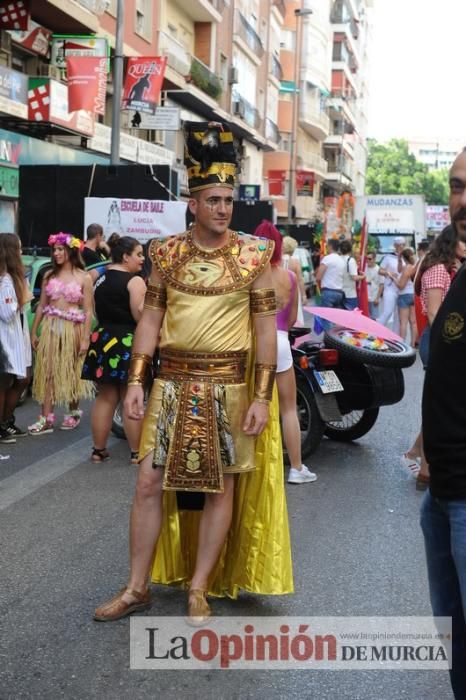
(256, 556)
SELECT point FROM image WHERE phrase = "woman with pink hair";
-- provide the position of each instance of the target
(286, 291)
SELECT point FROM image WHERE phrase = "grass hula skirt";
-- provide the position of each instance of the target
(58, 365)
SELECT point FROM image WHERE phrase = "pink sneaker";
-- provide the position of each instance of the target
(71, 420)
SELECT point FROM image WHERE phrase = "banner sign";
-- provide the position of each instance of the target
(69, 45)
(143, 219)
(48, 102)
(87, 83)
(437, 217)
(13, 93)
(14, 14)
(277, 183)
(143, 82)
(36, 38)
(304, 183)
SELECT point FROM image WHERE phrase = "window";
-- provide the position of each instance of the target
(143, 20)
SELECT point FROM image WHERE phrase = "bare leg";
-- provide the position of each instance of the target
(102, 414)
(404, 316)
(213, 529)
(286, 384)
(145, 524)
(132, 427)
(413, 325)
(424, 466)
(5, 384)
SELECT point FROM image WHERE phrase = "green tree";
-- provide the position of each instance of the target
(392, 169)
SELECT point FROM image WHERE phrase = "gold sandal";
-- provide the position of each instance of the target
(116, 607)
(198, 608)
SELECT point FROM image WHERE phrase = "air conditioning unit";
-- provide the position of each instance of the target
(238, 109)
(233, 75)
(5, 42)
(49, 71)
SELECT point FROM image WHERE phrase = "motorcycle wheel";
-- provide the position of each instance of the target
(398, 353)
(311, 424)
(353, 425)
(117, 422)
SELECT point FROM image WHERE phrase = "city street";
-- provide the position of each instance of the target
(357, 551)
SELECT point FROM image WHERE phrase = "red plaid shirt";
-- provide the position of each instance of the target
(436, 277)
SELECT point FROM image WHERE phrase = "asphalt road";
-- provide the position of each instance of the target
(357, 551)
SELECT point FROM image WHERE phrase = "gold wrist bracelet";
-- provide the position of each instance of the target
(138, 368)
(263, 382)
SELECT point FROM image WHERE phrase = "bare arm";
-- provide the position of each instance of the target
(405, 277)
(88, 308)
(293, 309)
(39, 312)
(434, 301)
(137, 291)
(320, 272)
(265, 328)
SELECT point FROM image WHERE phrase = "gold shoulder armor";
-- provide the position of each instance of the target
(251, 255)
(167, 253)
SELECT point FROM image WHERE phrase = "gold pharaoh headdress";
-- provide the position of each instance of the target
(209, 155)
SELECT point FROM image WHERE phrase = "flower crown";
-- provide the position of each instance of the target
(65, 239)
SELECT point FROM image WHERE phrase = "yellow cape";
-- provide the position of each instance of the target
(256, 556)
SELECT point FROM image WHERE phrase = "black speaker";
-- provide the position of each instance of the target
(52, 196)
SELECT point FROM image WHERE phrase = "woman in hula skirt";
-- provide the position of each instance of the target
(119, 298)
(65, 311)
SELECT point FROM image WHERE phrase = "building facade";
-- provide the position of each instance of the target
(289, 76)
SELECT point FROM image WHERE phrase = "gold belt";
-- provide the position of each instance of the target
(220, 368)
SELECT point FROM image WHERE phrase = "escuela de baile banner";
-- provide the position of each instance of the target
(143, 219)
(87, 83)
(143, 82)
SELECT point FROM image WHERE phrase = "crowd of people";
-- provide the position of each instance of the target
(209, 436)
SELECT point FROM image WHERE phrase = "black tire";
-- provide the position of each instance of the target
(117, 423)
(312, 425)
(353, 425)
(398, 354)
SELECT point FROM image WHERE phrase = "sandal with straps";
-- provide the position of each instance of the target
(99, 455)
(116, 607)
(198, 608)
(134, 458)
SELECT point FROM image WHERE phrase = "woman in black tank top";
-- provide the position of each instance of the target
(119, 297)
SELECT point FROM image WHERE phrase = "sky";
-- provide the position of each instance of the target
(418, 70)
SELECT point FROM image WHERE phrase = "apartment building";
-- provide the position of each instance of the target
(437, 154)
(288, 75)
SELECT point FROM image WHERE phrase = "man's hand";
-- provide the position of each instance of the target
(133, 405)
(256, 418)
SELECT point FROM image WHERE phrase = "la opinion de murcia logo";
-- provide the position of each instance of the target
(453, 326)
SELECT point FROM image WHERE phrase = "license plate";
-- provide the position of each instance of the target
(328, 381)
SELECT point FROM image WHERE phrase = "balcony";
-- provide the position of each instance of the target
(204, 10)
(246, 37)
(312, 161)
(272, 132)
(207, 81)
(276, 68)
(281, 6)
(313, 119)
(245, 110)
(178, 58)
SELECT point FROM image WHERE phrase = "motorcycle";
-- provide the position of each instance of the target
(341, 385)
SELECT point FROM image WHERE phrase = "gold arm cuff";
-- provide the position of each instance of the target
(156, 297)
(138, 368)
(263, 302)
(263, 382)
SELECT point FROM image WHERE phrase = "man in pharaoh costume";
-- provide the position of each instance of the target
(211, 426)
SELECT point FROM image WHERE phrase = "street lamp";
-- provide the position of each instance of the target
(117, 85)
(298, 13)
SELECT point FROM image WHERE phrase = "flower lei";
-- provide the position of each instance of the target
(364, 340)
(65, 239)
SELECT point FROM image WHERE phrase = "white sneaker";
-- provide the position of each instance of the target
(301, 476)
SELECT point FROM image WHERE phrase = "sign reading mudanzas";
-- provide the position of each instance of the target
(141, 218)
